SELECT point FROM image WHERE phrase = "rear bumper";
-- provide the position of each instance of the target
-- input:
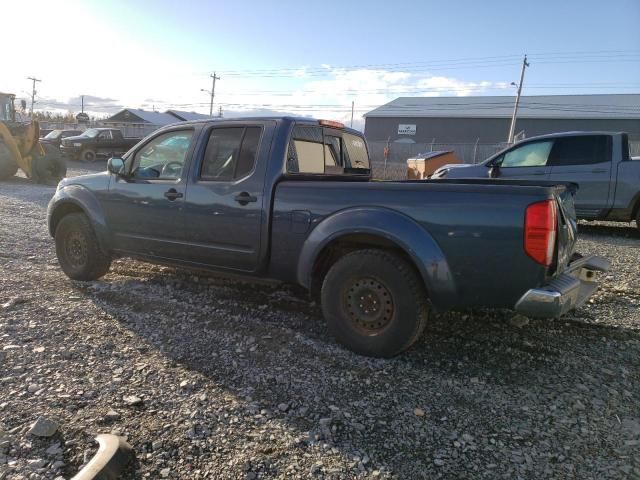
(565, 292)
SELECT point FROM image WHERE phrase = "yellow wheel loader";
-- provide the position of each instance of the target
(20, 148)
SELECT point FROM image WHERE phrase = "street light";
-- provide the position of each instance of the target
(512, 128)
(210, 93)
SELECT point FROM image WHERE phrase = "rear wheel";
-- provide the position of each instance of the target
(638, 219)
(8, 167)
(78, 249)
(374, 303)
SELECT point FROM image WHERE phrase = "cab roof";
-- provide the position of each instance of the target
(284, 118)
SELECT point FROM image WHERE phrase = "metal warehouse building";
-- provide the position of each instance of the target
(477, 126)
(467, 119)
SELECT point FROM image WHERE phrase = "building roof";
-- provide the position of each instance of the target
(620, 106)
(186, 116)
(136, 115)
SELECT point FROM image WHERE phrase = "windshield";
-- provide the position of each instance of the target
(53, 135)
(91, 133)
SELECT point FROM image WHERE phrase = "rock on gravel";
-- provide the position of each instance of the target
(132, 400)
(43, 427)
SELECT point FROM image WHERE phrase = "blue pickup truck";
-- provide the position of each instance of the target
(292, 199)
(599, 162)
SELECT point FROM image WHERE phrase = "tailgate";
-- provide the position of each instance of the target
(567, 225)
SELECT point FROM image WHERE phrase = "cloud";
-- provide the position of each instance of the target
(93, 105)
(331, 95)
(328, 94)
(91, 99)
(260, 112)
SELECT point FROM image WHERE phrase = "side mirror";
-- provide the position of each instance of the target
(494, 171)
(115, 165)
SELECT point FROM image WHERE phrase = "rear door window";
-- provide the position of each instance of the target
(230, 153)
(581, 150)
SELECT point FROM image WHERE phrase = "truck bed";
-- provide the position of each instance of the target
(469, 220)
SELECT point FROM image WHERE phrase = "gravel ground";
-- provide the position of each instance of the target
(210, 377)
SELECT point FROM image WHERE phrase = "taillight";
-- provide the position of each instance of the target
(540, 227)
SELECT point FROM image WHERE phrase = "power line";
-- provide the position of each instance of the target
(554, 57)
(395, 89)
(498, 58)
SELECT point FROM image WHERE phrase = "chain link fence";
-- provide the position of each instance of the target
(395, 166)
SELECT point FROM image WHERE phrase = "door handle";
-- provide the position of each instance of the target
(539, 172)
(599, 170)
(244, 198)
(172, 194)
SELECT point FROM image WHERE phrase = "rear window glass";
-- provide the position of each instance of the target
(356, 154)
(319, 150)
(581, 150)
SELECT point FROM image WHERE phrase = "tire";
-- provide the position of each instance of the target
(88, 156)
(50, 169)
(394, 309)
(8, 167)
(78, 250)
(638, 220)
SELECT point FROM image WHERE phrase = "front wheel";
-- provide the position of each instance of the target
(51, 168)
(78, 249)
(88, 155)
(374, 302)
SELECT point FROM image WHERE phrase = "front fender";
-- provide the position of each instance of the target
(394, 226)
(74, 198)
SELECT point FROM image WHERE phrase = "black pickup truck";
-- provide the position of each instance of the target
(292, 199)
(96, 142)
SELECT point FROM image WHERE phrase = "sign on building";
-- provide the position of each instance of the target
(405, 129)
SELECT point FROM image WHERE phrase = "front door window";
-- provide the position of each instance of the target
(533, 154)
(163, 157)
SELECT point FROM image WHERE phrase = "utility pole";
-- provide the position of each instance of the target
(220, 111)
(512, 129)
(82, 102)
(213, 92)
(352, 104)
(33, 93)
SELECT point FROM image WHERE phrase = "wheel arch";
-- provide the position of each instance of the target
(635, 207)
(77, 199)
(375, 227)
